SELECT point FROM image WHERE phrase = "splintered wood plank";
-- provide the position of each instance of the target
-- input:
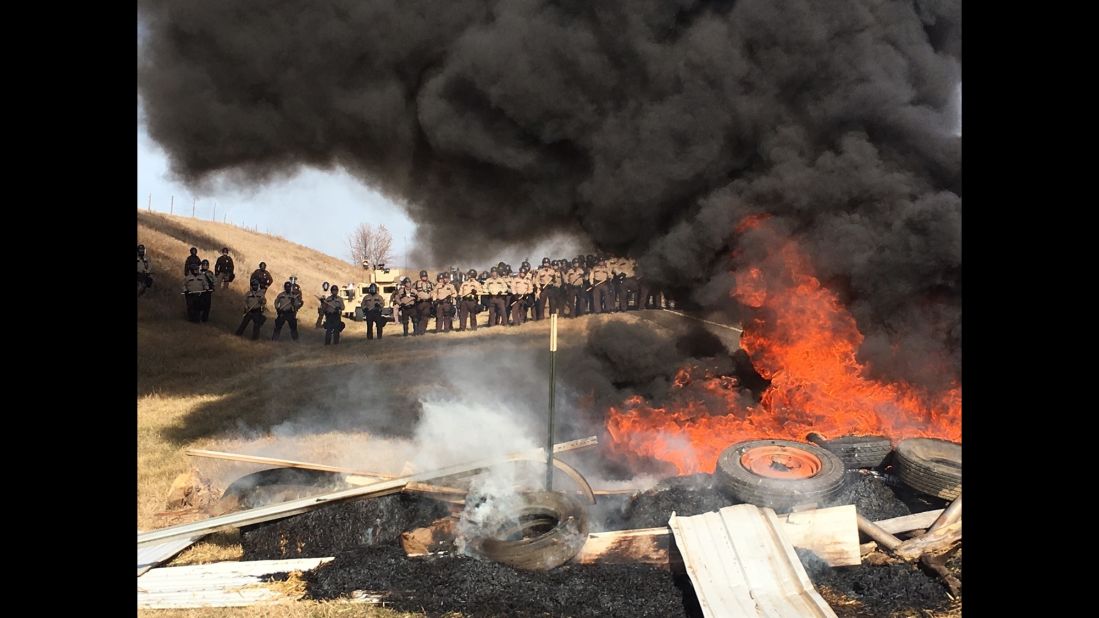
(742, 564)
(832, 534)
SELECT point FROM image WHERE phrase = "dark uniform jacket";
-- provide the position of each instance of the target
(263, 276)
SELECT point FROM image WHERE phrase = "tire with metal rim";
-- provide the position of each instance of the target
(930, 465)
(551, 529)
(860, 451)
(780, 474)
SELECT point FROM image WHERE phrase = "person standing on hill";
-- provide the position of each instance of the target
(192, 260)
(372, 306)
(468, 304)
(195, 284)
(287, 304)
(332, 306)
(424, 291)
(255, 301)
(144, 271)
(404, 299)
(208, 295)
(260, 274)
(223, 268)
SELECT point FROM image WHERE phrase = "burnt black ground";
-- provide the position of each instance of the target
(339, 527)
(886, 590)
(479, 588)
(363, 536)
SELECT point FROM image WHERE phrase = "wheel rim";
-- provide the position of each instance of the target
(780, 462)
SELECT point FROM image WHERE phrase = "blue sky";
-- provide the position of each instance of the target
(318, 209)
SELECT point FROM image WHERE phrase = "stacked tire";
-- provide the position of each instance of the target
(931, 466)
(860, 451)
(780, 474)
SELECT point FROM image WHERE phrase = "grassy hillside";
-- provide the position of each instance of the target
(200, 386)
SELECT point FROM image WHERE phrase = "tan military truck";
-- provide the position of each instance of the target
(387, 280)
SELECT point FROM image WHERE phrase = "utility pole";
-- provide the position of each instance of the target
(552, 401)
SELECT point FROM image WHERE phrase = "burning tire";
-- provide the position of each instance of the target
(779, 473)
(931, 466)
(275, 485)
(859, 451)
(551, 530)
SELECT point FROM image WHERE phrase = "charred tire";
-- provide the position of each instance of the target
(860, 451)
(779, 474)
(565, 531)
(276, 484)
(931, 466)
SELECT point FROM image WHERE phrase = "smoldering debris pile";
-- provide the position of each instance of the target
(364, 538)
(340, 527)
(483, 588)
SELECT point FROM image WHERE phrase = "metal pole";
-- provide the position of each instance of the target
(553, 380)
(150, 207)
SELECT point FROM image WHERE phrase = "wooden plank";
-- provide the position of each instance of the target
(908, 523)
(223, 584)
(882, 537)
(952, 514)
(282, 463)
(938, 541)
(801, 594)
(742, 564)
(295, 507)
(832, 534)
(644, 546)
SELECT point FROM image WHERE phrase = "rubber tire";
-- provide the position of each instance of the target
(860, 451)
(919, 462)
(548, 550)
(260, 487)
(779, 494)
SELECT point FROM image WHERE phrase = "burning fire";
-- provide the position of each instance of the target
(806, 345)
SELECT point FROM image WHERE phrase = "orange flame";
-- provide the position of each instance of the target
(806, 345)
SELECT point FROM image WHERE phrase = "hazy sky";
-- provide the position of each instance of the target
(317, 209)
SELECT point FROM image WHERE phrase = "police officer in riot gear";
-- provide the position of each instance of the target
(144, 276)
(254, 303)
(444, 294)
(575, 297)
(468, 301)
(332, 307)
(496, 288)
(192, 260)
(207, 297)
(264, 277)
(405, 301)
(195, 284)
(223, 268)
(372, 306)
(423, 289)
(287, 304)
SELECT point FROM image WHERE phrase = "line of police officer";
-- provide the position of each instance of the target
(586, 284)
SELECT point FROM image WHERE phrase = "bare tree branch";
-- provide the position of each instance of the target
(370, 244)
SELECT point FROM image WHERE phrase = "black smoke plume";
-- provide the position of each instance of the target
(650, 127)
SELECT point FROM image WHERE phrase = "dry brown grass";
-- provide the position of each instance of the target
(301, 609)
(200, 386)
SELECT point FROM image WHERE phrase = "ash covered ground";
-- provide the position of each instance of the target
(364, 538)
